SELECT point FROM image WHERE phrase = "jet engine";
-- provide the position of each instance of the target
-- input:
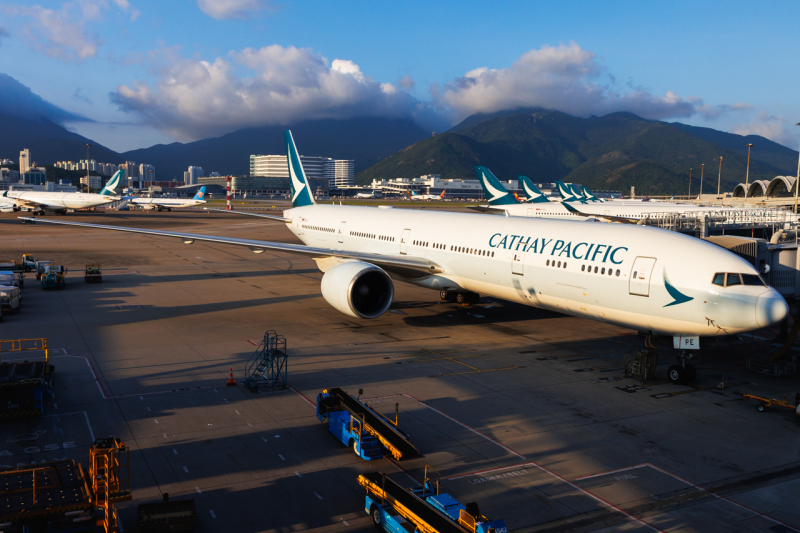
(358, 289)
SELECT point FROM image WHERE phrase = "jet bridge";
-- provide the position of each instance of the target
(361, 415)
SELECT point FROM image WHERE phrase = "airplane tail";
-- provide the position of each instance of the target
(532, 193)
(442, 195)
(413, 193)
(566, 192)
(111, 187)
(301, 195)
(493, 189)
(200, 193)
(589, 196)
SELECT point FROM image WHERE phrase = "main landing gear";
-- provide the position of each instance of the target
(683, 372)
(461, 297)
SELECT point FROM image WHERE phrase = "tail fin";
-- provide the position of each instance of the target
(200, 193)
(566, 192)
(442, 195)
(301, 195)
(413, 193)
(532, 192)
(589, 196)
(493, 189)
(111, 187)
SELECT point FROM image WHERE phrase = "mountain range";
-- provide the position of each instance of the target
(614, 152)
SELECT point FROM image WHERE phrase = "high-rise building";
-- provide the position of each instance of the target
(344, 174)
(147, 173)
(94, 182)
(34, 176)
(193, 174)
(24, 161)
(276, 166)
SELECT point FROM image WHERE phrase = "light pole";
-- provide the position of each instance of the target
(719, 179)
(88, 181)
(747, 174)
(796, 185)
(690, 184)
(702, 168)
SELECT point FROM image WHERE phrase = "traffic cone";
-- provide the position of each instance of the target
(231, 382)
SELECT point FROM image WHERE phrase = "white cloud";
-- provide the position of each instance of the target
(231, 9)
(61, 33)
(195, 98)
(556, 77)
(778, 129)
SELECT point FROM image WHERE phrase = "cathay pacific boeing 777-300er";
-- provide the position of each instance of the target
(636, 277)
(59, 202)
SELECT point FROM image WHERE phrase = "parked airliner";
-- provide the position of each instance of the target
(372, 194)
(59, 202)
(415, 196)
(166, 204)
(637, 277)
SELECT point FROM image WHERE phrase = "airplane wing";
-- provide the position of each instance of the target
(280, 219)
(486, 209)
(405, 266)
(607, 218)
(28, 204)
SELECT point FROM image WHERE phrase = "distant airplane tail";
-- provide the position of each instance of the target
(532, 193)
(495, 193)
(442, 195)
(566, 192)
(111, 187)
(200, 193)
(301, 194)
(589, 196)
(413, 193)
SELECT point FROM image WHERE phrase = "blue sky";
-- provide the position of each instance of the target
(147, 72)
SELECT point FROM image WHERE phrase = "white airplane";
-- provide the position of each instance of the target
(372, 194)
(59, 202)
(415, 196)
(502, 201)
(641, 278)
(166, 204)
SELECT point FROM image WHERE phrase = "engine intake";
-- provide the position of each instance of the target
(358, 289)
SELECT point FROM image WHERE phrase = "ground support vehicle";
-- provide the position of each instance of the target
(766, 403)
(40, 268)
(172, 516)
(10, 300)
(93, 274)
(22, 388)
(370, 434)
(422, 509)
(12, 278)
(54, 277)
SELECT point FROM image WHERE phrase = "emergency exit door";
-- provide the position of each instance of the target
(404, 241)
(342, 227)
(641, 272)
(517, 262)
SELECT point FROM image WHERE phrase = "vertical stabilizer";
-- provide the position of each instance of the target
(201, 194)
(301, 192)
(566, 192)
(495, 193)
(532, 193)
(589, 196)
(113, 184)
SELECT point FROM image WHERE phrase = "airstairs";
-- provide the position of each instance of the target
(268, 366)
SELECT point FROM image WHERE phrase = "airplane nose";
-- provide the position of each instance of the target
(771, 308)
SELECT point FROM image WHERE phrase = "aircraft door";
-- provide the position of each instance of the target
(517, 262)
(641, 272)
(404, 241)
(341, 231)
(530, 212)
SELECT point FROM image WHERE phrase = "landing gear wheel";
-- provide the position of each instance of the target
(761, 408)
(376, 517)
(444, 295)
(676, 374)
(462, 298)
(169, 209)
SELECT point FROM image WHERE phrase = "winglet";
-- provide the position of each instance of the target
(532, 192)
(111, 187)
(495, 193)
(301, 192)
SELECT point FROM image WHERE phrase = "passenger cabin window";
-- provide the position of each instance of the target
(733, 279)
(719, 279)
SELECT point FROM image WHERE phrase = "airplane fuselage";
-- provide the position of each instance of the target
(58, 200)
(166, 202)
(636, 277)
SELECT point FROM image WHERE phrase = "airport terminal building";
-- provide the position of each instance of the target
(337, 172)
(434, 184)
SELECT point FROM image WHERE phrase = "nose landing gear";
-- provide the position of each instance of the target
(683, 372)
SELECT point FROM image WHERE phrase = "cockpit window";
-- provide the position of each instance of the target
(733, 279)
(753, 279)
(719, 279)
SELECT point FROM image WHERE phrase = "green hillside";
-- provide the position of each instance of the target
(611, 152)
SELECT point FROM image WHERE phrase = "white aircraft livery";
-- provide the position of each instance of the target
(168, 203)
(59, 202)
(637, 277)
(372, 194)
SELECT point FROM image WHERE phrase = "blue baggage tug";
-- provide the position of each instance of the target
(422, 509)
(369, 433)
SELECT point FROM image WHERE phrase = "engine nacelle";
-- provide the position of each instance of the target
(358, 289)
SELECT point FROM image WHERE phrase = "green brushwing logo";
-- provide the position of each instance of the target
(677, 295)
